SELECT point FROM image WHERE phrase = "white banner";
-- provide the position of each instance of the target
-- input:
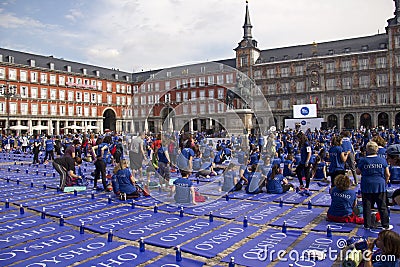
(305, 111)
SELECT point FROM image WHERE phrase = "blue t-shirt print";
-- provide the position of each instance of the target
(373, 174)
(342, 202)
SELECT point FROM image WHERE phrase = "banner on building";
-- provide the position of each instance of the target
(305, 111)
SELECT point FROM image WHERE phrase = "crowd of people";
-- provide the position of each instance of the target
(364, 159)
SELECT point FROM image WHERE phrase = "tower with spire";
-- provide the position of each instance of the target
(247, 52)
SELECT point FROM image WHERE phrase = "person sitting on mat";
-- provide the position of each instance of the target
(123, 181)
(255, 179)
(183, 189)
(65, 166)
(276, 182)
(343, 202)
(230, 178)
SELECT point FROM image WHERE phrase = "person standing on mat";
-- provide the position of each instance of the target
(351, 160)
(304, 167)
(337, 157)
(36, 149)
(137, 154)
(375, 175)
(65, 166)
(164, 163)
(100, 151)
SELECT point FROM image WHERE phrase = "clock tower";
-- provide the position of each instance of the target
(247, 52)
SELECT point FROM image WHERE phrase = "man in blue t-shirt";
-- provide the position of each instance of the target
(183, 189)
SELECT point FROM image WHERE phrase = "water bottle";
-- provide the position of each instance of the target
(155, 208)
(141, 245)
(309, 205)
(110, 236)
(7, 204)
(284, 227)
(62, 220)
(211, 217)
(43, 216)
(280, 202)
(181, 212)
(21, 209)
(245, 222)
(133, 204)
(328, 231)
(178, 254)
(82, 228)
(232, 262)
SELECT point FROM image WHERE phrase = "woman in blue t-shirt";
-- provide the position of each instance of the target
(255, 180)
(123, 180)
(337, 158)
(287, 166)
(375, 175)
(319, 169)
(343, 200)
(230, 178)
(276, 183)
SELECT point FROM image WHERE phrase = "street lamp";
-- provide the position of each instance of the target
(7, 91)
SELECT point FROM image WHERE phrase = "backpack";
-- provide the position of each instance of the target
(113, 149)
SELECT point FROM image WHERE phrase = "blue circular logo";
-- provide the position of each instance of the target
(304, 111)
(303, 122)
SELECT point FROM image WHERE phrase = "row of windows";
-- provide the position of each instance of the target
(186, 109)
(54, 110)
(179, 97)
(330, 67)
(185, 83)
(364, 81)
(46, 78)
(332, 101)
(57, 94)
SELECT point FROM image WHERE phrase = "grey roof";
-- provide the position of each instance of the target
(368, 43)
(60, 64)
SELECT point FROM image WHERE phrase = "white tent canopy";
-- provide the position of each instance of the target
(19, 127)
(74, 127)
(40, 127)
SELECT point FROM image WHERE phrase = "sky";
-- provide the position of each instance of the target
(136, 35)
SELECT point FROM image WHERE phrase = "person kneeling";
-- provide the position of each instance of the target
(276, 183)
(343, 201)
(124, 182)
(183, 189)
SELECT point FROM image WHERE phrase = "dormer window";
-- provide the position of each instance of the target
(285, 57)
(32, 63)
(382, 45)
(364, 48)
(272, 59)
(68, 68)
(300, 55)
(116, 76)
(331, 52)
(84, 71)
(96, 73)
(347, 50)
(127, 78)
(11, 59)
(1, 58)
(51, 66)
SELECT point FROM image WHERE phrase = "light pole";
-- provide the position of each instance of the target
(7, 91)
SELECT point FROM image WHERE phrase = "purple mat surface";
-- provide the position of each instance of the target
(299, 217)
(218, 240)
(213, 206)
(170, 260)
(265, 213)
(41, 246)
(128, 256)
(335, 227)
(239, 209)
(157, 224)
(313, 241)
(322, 200)
(183, 233)
(291, 198)
(264, 197)
(258, 251)
(85, 250)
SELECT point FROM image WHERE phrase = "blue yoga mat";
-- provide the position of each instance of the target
(265, 213)
(24, 223)
(127, 256)
(299, 217)
(313, 241)
(265, 197)
(64, 204)
(291, 198)
(11, 239)
(147, 202)
(170, 260)
(46, 200)
(183, 233)
(11, 208)
(213, 206)
(41, 246)
(83, 209)
(14, 215)
(20, 197)
(212, 189)
(88, 249)
(218, 240)
(335, 227)
(322, 200)
(257, 252)
(240, 195)
(99, 216)
(236, 210)
(149, 227)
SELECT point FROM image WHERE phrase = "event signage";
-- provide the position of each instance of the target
(305, 111)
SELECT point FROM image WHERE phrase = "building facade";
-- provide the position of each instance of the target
(354, 83)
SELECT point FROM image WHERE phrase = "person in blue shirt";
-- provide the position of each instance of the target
(393, 158)
(304, 167)
(276, 182)
(49, 144)
(319, 169)
(388, 252)
(347, 146)
(183, 189)
(123, 181)
(343, 200)
(375, 175)
(287, 166)
(337, 159)
(230, 178)
(164, 163)
(184, 160)
(255, 180)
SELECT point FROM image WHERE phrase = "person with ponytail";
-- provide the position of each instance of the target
(276, 183)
